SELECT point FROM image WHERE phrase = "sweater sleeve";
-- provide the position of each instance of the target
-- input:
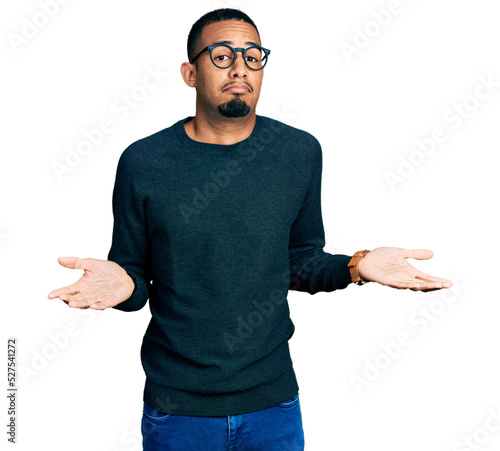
(131, 247)
(311, 269)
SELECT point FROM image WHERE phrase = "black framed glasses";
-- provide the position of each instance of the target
(223, 56)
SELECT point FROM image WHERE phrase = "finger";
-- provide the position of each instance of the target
(70, 297)
(93, 299)
(76, 300)
(70, 289)
(406, 285)
(426, 277)
(425, 290)
(73, 305)
(419, 254)
(93, 305)
(428, 286)
(416, 285)
(77, 306)
(75, 262)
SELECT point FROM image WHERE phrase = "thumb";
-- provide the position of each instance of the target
(72, 262)
(419, 254)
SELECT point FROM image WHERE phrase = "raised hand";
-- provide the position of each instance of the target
(103, 284)
(388, 266)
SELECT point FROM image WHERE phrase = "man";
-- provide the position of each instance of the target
(222, 212)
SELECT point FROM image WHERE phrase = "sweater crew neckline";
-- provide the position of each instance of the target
(186, 140)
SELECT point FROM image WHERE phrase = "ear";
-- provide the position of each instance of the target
(188, 72)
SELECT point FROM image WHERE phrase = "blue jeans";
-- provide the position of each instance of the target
(277, 428)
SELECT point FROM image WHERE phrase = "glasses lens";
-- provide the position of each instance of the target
(222, 56)
(256, 58)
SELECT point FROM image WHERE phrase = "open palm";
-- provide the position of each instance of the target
(388, 266)
(103, 284)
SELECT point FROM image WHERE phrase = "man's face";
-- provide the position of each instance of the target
(232, 92)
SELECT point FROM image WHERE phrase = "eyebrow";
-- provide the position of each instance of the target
(232, 43)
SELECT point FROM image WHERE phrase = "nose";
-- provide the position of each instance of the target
(239, 68)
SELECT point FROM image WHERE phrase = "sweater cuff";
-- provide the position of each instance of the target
(138, 298)
(344, 276)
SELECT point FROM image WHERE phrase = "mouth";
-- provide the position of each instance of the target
(240, 89)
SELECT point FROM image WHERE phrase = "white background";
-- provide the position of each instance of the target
(81, 382)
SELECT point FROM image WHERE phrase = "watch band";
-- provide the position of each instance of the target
(353, 267)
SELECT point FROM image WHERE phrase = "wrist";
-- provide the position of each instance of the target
(354, 267)
(129, 286)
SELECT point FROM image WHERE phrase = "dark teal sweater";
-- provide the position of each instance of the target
(215, 236)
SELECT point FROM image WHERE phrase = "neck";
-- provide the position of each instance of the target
(219, 129)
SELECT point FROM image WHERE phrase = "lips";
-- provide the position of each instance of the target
(237, 88)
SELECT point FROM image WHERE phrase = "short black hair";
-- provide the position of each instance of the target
(218, 15)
